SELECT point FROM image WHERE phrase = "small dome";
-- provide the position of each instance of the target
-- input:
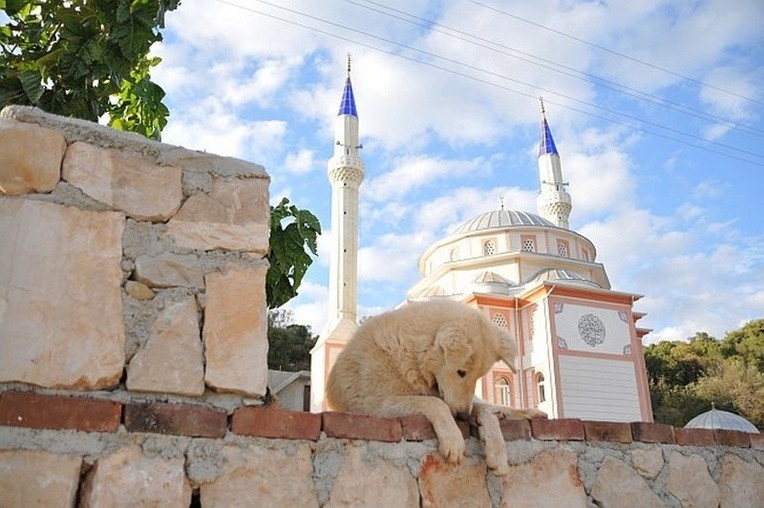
(563, 276)
(502, 219)
(717, 419)
(490, 283)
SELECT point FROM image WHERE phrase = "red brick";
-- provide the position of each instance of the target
(732, 438)
(176, 419)
(515, 430)
(276, 423)
(647, 432)
(694, 437)
(36, 411)
(357, 426)
(417, 428)
(757, 441)
(607, 431)
(563, 429)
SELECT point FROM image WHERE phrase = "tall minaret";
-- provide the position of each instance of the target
(553, 201)
(345, 170)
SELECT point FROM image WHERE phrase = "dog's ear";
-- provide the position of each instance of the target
(507, 349)
(453, 339)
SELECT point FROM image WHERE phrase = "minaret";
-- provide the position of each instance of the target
(553, 201)
(345, 171)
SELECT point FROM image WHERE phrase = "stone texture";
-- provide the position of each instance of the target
(358, 426)
(61, 323)
(550, 479)
(172, 359)
(619, 486)
(37, 411)
(139, 290)
(443, 484)
(276, 423)
(690, 482)
(177, 419)
(234, 216)
(647, 461)
(235, 331)
(137, 186)
(31, 158)
(372, 482)
(742, 483)
(167, 269)
(38, 478)
(255, 476)
(128, 478)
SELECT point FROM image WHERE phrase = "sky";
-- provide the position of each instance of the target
(656, 108)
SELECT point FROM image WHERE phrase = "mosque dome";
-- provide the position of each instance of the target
(490, 283)
(558, 276)
(717, 419)
(502, 219)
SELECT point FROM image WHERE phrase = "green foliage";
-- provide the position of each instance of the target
(687, 377)
(85, 59)
(294, 234)
(289, 344)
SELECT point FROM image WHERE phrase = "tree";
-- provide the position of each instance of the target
(289, 344)
(85, 59)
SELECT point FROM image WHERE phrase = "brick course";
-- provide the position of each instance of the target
(608, 431)
(652, 432)
(36, 411)
(276, 423)
(356, 426)
(563, 429)
(177, 419)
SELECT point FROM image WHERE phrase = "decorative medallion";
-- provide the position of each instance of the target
(591, 329)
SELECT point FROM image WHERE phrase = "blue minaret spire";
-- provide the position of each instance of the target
(547, 145)
(347, 106)
(553, 200)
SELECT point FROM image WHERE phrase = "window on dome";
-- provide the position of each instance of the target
(502, 392)
(528, 243)
(562, 249)
(500, 320)
(585, 254)
(489, 247)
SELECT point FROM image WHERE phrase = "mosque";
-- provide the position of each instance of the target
(581, 353)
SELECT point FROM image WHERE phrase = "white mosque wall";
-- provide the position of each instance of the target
(592, 329)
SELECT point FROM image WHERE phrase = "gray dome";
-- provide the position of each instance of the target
(563, 276)
(490, 283)
(717, 419)
(502, 219)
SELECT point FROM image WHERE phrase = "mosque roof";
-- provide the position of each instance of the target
(347, 106)
(563, 276)
(502, 219)
(491, 283)
(717, 419)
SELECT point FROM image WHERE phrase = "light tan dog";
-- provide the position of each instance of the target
(425, 358)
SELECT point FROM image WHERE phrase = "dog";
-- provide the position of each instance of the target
(425, 358)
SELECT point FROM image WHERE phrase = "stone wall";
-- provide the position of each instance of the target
(133, 360)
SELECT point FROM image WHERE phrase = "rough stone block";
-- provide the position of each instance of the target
(31, 157)
(550, 479)
(690, 481)
(177, 419)
(234, 216)
(417, 428)
(276, 423)
(694, 437)
(172, 359)
(563, 429)
(652, 432)
(619, 485)
(127, 182)
(169, 270)
(368, 480)
(608, 431)
(258, 476)
(357, 426)
(31, 410)
(38, 478)
(648, 461)
(128, 478)
(737, 438)
(61, 323)
(515, 430)
(741, 483)
(444, 484)
(235, 331)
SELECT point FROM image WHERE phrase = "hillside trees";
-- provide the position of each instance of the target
(289, 344)
(687, 377)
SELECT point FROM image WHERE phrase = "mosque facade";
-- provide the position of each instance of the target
(580, 349)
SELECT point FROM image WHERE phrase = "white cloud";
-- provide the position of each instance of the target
(300, 162)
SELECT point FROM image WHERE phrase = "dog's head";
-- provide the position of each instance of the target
(463, 352)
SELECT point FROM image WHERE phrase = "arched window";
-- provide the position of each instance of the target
(500, 320)
(540, 387)
(502, 392)
(489, 247)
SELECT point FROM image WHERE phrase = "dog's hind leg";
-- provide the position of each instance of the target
(489, 431)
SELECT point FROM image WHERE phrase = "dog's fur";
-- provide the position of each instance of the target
(425, 358)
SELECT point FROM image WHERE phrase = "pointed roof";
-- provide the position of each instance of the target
(347, 106)
(547, 145)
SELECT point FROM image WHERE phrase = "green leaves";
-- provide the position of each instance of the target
(292, 232)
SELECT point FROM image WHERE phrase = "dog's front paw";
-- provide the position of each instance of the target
(535, 413)
(451, 445)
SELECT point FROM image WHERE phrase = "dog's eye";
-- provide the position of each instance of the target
(461, 373)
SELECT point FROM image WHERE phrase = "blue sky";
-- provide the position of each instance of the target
(656, 108)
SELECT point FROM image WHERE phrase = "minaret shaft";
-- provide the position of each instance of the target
(554, 203)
